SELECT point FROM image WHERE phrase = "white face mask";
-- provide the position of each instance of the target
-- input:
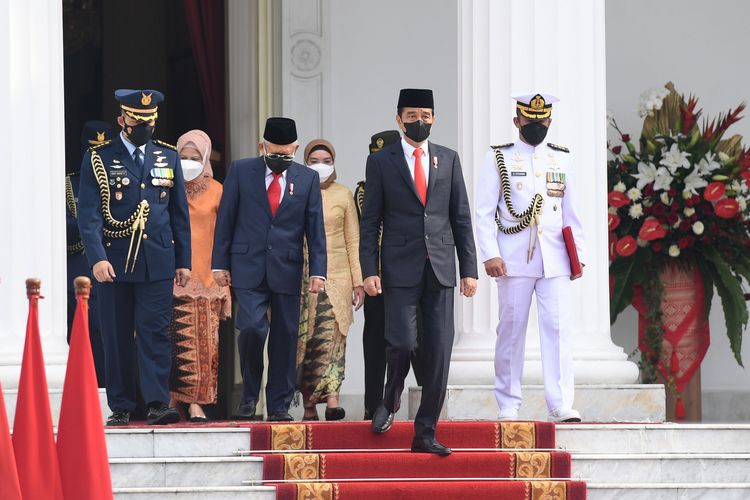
(323, 170)
(191, 169)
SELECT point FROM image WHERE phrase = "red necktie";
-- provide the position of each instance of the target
(274, 194)
(419, 180)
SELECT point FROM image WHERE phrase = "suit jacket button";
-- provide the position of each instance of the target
(271, 226)
(173, 242)
(145, 236)
(108, 244)
(427, 236)
(163, 194)
(143, 186)
(270, 247)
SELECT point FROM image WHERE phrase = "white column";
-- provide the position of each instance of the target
(32, 203)
(557, 47)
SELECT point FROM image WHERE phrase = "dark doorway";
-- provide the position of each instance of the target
(129, 44)
(111, 44)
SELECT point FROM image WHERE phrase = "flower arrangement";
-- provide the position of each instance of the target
(679, 196)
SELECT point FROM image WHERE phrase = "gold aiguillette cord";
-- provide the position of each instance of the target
(533, 238)
(139, 225)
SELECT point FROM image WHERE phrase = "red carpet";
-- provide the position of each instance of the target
(487, 464)
(435, 490)
(357, 435)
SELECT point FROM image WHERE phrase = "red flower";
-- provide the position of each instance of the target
(685, 225)
(648, 190)
(625, 137)
(651, 230)
(659, 208)
(706, 240)
(727, 208)
(616, 150)
(656, 247)
(692, 201)
(617, 199)
(672, 218)
(611, 246)
(672, 193)
(612, 221)
(626, 246)
(746, 175)
(714, 191)
(685, 242)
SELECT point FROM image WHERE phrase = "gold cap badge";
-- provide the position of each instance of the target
(380, 142)
(145, 99)
(537, 103)
(100, 137)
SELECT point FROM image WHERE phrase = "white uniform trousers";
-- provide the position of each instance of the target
(514, 297)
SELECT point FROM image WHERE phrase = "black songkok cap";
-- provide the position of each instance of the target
(280, 130)
(416, 98)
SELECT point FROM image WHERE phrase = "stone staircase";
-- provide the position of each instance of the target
(619, 461)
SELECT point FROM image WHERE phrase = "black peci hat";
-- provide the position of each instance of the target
(382, 139)
(415, 98)
(280, 130)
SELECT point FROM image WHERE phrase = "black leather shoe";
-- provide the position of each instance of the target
(162, 414)
(280, 417)
(118, 418)
(246, 411)
(382, 420)
(429, 445)
(337, 413)
(368, 415)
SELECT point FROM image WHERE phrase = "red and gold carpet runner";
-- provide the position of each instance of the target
(346, 461)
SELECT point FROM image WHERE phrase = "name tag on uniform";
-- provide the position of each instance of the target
(518, 174)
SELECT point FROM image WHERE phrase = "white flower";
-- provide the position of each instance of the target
(651, 99)
(612, 210)
(686, 195)
(677, 224)
(742, 202)
(674, 251)
(723, 157)
(694, 181)
(674, 159)
(634, 194)
(664, 197)
(663, 179)
(736, 187)
(635, 211)
(708, 164)
(689, 211)
(619, 187)
(698, 228)
(646, 174)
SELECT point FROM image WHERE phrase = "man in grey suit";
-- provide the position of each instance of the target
(416, 190)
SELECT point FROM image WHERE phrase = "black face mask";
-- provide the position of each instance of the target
(278, 163)
(417, 131)
(534, 132)
(139, 134)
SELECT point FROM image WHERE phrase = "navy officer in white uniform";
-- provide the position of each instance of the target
(526, 197)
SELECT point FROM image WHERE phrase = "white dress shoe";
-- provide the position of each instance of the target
(508, 414)
(564, 415)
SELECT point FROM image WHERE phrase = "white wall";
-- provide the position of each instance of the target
(701, 47)
(367, 54)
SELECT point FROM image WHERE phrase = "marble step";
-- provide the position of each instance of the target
(669, 468)
(655, 491)
(192, 493)
(177, 442)
(654, 438)
(597, 403)
(184, 471)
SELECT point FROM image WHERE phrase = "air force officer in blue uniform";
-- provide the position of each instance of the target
(269, 206)
(134, 222)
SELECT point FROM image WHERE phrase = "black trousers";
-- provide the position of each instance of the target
(282, 330)
(135, 320)
(401, 334)
(374, 345)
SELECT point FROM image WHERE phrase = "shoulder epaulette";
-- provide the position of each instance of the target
(558, 148)
(100, 146)
(165, 144)
(503, 146)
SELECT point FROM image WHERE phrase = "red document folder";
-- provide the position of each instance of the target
(576, 271)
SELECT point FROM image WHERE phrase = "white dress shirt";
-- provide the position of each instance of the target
(131, 147)
(410, 159)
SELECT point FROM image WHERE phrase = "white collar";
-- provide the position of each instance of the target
(409, 149)
(270, 172)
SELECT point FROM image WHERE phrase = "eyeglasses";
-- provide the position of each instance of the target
(276, 156)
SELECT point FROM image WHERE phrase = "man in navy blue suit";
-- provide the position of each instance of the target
(95, 132)
(269, 206)
(134, 223)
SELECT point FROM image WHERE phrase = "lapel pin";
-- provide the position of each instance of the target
(291, 189)
(434, 161)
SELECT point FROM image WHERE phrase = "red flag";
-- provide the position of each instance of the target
(80, 434)
(33, 438)
(8, 472)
